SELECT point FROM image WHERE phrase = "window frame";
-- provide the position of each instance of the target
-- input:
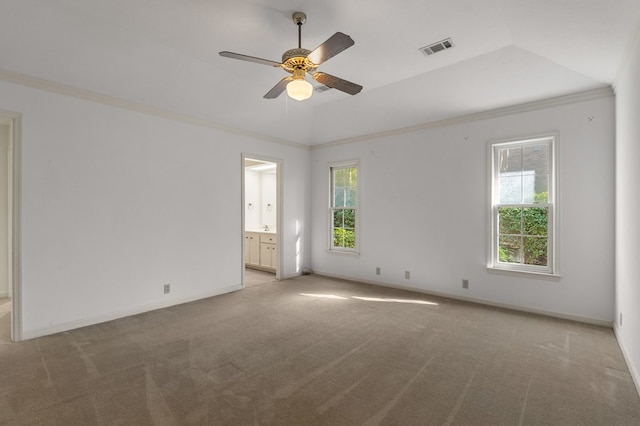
(493, 262)
(336, 249)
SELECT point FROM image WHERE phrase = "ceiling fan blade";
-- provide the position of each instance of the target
(330, 48)
(337, 83)
(278, 88)
(249, 58)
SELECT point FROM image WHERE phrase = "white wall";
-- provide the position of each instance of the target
(252, 187)
(268, 199)
(424, 209)
(261, 193)
(4, 209)
(117, 203)
(627, 211)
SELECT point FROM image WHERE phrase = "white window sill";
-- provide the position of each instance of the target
(524, 274)
(344, 253)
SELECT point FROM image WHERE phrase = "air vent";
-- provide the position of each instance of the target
(322, 88)
(437, 47)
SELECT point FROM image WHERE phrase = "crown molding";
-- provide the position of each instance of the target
(588, 95)
(88, 95)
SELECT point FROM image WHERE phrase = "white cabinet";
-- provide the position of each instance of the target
(268, 251)
(268, 255)
(260, 250)
(268, 238)
(252, 248)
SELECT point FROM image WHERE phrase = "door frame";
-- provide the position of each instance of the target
(15, 214)
(279, 190)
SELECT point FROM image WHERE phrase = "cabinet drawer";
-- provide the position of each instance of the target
(267, 238)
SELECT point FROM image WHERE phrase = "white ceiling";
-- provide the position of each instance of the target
(164, 54)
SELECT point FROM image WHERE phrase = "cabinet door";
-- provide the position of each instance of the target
(273, 256)
(255, 249)
(247, 248)
(265, 255)
(252, 248)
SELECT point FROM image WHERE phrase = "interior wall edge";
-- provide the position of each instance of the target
(87, 95)
(602, 92)
(84, 322)
(479, 301)
(633, 371)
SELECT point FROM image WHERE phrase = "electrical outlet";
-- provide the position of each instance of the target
(407, 275)
(465, 283)
(620, 323)
(377, 270)
(167, 288)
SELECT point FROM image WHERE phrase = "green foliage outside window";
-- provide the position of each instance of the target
(344, 223)
(523, 235)
(344, 238)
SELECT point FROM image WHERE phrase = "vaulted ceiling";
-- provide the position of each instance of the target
(164, 54)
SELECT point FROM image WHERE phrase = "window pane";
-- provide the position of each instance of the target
(509, 249)
(535, 251)
(349, 218)
(338, 218)
(344, 238)
(338, 177)
(350, 197)
(509, 160)
(528, 189)
(536, 159)
(542, 189)
(350, 238)
(338, 237)
(351, 178)
(338, 200)
(535, 221)
(510, 220)
(510, 189)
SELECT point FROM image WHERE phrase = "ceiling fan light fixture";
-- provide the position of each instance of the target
(299, 90)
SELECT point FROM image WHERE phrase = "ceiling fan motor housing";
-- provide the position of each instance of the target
(296, 58)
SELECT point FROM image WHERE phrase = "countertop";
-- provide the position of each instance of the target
(261, 231)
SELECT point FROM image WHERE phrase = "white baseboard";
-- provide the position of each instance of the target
(562, 315)
(635, 374)
(4, 294)
(58, 328)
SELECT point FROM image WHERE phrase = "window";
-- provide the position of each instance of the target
(523, 205)
(344, 207)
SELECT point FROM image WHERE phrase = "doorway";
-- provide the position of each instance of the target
(261, 212)
(9, 150)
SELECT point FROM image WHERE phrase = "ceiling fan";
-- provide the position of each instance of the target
(299, 62)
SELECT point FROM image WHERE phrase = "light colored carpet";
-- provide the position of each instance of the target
(318, 351)
(254, 277)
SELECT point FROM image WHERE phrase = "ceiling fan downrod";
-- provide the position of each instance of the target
(299, 18)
